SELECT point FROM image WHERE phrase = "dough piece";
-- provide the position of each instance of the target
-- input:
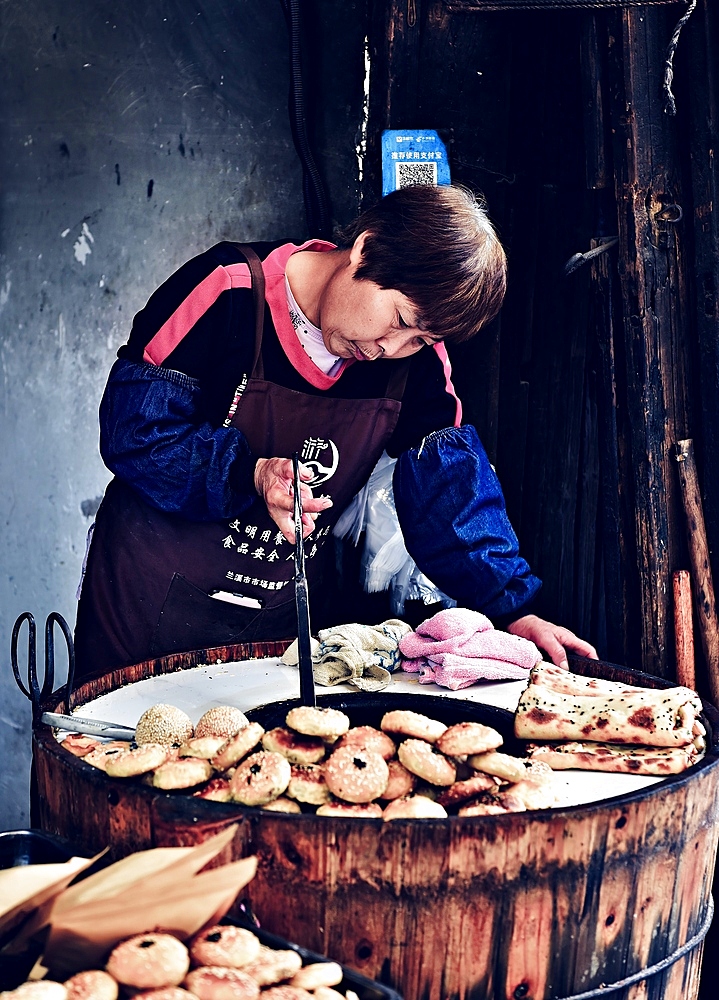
(103, 752)
(462, 791)
(401, 781)
(131, 763)
(185, 773)
(327, 993)
(238, 746)
(225, 945)
(327, 723)
(218, 983)
(414, 807)
(368, 738)
(296, 748)
(412, 724)
(223, 720)
(558, 705)
(264, 776)
(79, 745)
(205, 747)
(318, 974)
(307, 784)
(163, 724)
(427, 763)
(615, 757)
(92, 985)
(274, 966)
(468, 738)
(356, 775)
(216, 790)
(286, 992)
(502, 765)
(282, 805)
(149, 960)
(42, 989)
(166, 993)
(368, 810)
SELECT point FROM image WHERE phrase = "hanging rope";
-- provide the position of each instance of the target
(670, 105)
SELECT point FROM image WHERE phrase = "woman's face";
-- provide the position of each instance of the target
(360, 320)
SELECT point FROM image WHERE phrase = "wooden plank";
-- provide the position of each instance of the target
(684, 628)
(654, 291)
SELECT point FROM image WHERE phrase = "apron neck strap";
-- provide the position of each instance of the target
(398, 380)
(257, 278)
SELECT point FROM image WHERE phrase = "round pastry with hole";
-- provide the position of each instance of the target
(104, 752)
(220, 983)
(91, 985)
(307, 784)
(274, 966)
(368, 738)
(317, 974)
(463, 791)
(163, 724)
(260, 778)
(238, 746)
(427, 763)
(298, 749)
(502, 765)
(149, 960)
(414, 807)
(401, 781)
(185, 772)
(327, 723)
(226, 945)
(222, 720)
(364, 810)
(412, 724)
(131, 763)
(468, 738)
(356, 775)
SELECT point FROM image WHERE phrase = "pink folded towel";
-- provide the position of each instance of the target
(455, 672)
(457, 647)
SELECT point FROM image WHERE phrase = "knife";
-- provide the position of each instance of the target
(89, 727)
(304, 648)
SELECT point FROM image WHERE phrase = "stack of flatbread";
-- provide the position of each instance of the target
(594, 724)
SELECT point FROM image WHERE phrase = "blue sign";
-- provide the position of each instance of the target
(413, 157)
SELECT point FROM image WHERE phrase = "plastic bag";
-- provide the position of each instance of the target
(385, 564)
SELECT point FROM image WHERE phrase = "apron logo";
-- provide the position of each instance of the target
(322, 457)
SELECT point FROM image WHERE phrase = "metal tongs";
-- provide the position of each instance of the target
(304, 647)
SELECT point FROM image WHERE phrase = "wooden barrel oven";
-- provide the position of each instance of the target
(525, 906)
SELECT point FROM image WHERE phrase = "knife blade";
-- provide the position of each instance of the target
(88, 727)
(304, 647)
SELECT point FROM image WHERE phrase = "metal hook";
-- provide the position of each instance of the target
(34, 692)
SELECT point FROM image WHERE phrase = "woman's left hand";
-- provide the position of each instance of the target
(553, 639)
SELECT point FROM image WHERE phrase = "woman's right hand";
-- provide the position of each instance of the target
(274, 482)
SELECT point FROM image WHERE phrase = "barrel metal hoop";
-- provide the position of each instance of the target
(651, 970)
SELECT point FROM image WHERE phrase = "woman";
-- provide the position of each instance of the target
(214, 392)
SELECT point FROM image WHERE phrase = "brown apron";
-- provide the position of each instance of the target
(150, 574)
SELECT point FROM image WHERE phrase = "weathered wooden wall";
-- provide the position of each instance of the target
(587, 380)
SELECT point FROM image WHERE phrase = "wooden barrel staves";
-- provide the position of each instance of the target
(526, 906)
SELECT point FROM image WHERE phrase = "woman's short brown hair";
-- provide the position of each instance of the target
(436, 245)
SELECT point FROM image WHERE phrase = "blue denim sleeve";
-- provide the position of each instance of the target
(455, 525)
(152, 439)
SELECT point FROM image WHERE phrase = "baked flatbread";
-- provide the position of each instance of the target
(559, 705)
(614, 757)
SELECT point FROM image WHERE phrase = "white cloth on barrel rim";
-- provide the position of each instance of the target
(362, 655)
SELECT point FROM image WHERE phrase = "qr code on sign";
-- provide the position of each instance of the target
(408, 174)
